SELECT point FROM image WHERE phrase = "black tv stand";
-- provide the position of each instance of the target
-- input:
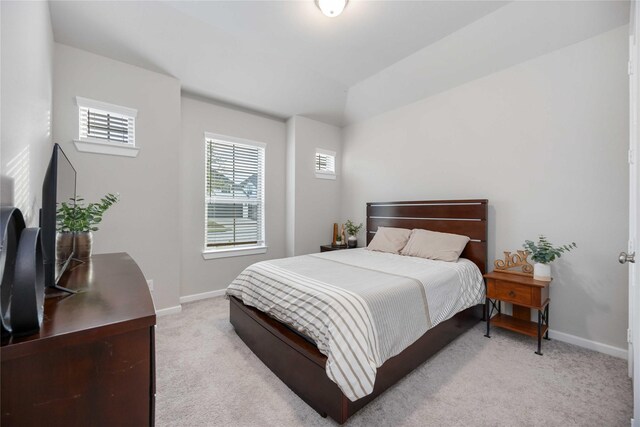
(77, 262)
(63, 289)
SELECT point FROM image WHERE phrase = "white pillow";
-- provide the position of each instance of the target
(434, 245)
(389, 239)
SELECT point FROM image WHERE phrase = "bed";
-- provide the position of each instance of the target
(339, 375)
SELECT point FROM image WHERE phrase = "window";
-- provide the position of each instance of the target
(325, 164)
(106, 128)
(234, 196)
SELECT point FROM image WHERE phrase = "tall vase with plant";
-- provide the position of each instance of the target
(543, 253)
(77, 221)
(352, 231)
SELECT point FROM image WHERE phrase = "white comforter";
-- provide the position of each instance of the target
(360, 307)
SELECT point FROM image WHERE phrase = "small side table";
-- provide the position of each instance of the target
(525, 294)
(329, 248)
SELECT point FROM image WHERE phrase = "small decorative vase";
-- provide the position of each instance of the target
(542, 272)
(84, 244)
(352, 241)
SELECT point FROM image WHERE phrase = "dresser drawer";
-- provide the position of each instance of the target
(509, 291)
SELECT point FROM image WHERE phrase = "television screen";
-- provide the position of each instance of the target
(59, 188)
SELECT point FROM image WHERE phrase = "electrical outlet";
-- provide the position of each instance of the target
(150, 284)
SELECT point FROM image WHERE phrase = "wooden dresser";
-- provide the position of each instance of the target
(93, 361)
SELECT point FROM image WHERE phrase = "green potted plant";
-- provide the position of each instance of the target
(543, 253)
(77, 221)
(352, 231)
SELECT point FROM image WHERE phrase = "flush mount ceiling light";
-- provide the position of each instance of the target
(331, 8)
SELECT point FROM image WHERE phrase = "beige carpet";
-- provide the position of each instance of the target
(206, 376)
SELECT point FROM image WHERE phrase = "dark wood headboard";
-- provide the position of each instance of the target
(466, 217)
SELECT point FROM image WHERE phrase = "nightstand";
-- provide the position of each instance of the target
(329, 248)
(525, 294)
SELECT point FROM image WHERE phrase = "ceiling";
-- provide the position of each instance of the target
(365, 39)
(285, 58)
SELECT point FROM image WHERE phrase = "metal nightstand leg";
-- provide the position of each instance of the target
(546, 317)
(543, 320)
(489, 307)
(539, 352)
(488, 317)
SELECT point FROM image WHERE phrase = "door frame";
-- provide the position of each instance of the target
(633, 333)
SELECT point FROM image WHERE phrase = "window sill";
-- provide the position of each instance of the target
(325, 175)
(96, 147)
(226, 253)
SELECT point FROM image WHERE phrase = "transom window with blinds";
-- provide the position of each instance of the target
(325, 164)
(106, 123)
(234, 193)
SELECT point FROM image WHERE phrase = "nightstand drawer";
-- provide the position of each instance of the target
(509, 291)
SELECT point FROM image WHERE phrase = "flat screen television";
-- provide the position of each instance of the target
(59, 187)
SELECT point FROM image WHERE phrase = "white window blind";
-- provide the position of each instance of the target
(102, 122)
(234, 194)
(325, 163)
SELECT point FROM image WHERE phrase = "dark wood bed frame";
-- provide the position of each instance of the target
(300, 365)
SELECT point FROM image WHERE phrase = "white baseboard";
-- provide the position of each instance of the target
(169, 310)
(189, 298)
(204, 295)
(591, 345)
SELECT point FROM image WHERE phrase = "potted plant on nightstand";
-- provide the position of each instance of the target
(77, 221)
(544, 253)
(353, 231)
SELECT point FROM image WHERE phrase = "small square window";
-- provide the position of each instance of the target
(325, 164)
(106, 128)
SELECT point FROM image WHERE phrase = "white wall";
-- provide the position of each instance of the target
(313, 203)
(290, 215)
(199, 116)
(145, 222)
(26, 84)
(546, 142)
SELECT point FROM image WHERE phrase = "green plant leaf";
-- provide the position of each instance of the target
(76, 217)
(544, 251)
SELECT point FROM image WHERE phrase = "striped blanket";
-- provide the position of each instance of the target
(360, 307)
